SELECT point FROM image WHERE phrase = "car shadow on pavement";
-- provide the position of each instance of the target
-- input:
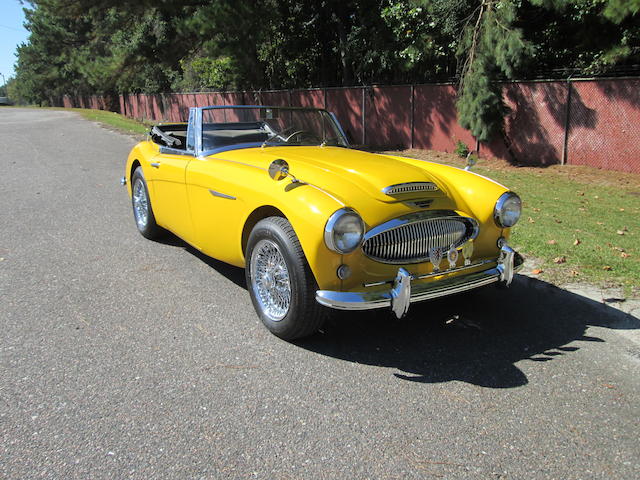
(476, 337)
(234, 274)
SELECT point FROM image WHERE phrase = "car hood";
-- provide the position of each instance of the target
(343, 172)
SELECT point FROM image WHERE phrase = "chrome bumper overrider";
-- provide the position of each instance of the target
(404, 293)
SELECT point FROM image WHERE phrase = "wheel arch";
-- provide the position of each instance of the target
(135, 164)
(254, 217)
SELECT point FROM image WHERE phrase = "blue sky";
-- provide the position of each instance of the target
(12, 33)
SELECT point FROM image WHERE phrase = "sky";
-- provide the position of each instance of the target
(12, 34)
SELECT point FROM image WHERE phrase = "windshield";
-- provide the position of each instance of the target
(268, 126)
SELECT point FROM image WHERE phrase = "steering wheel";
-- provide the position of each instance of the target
(299, 132)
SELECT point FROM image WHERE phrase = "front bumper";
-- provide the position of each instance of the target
(404, 293)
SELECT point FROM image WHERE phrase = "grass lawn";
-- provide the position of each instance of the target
(581, 224)
(113, 120)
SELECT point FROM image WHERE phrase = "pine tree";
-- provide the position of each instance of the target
(490, 47)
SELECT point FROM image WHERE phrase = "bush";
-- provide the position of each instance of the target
(461, 149)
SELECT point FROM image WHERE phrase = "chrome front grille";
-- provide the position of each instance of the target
(409, 239)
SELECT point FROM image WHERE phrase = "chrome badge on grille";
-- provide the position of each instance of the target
(411, 187)
(435, 257)
(467, 251)
(452, 257)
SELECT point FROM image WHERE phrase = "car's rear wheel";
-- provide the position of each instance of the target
(279, 280)
(142, 211)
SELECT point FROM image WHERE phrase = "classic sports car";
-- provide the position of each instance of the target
(315, 223)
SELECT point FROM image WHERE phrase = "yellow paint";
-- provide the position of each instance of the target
(182, 202)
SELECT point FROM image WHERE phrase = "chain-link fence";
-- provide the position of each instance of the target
(578, 122)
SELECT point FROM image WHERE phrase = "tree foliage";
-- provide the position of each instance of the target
(110, 46)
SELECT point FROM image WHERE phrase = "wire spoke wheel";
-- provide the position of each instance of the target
(270, 280)
(140, 204)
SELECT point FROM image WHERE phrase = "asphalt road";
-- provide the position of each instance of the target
(125, 358)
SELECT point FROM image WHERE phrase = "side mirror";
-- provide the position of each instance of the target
(472, 159)
(279, 169)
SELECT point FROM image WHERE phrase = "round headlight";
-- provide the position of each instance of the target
(507, 211)
(344, 231)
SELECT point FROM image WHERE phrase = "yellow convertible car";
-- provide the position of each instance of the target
(315, 223)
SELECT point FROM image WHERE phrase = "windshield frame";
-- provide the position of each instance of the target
(196, 119)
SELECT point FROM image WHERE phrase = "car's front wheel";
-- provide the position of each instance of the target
(142, 211)
(279, 280)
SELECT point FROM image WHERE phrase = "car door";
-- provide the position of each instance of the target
(218, 207)
(172, 205)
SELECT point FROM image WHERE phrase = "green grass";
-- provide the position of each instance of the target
(114, 120)
(594, 228)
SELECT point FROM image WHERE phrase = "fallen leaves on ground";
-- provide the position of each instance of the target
(552, 242)
(560, 259)
(577, 242)
(607, 268)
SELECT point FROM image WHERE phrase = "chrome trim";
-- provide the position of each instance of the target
(506, 264)
(397, 250)
(434, 274)
(401, 293)
(500, 205)
(409, 187)
(328, 229)
(197, 129)
(221, 195)
(155, 164)
(418, 292)
(340, 129)
(174, 151)
(123, 181)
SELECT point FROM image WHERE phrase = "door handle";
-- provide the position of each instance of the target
(155, 165)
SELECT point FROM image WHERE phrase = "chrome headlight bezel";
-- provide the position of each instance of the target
(503, 211)
(335, 223)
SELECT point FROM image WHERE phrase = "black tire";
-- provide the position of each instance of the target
(142, 210)
(304, 316)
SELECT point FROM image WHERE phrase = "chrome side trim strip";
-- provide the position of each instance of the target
(221, 195)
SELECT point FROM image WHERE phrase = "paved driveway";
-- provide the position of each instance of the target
(125, 358)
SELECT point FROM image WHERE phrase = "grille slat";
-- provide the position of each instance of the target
(411, 242)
